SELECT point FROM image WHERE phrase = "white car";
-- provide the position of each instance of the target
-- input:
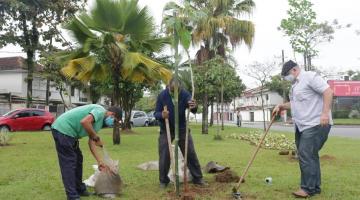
(139, 118)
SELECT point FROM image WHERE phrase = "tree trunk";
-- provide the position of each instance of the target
(29, 79)
(262, 106)
(116, 91)
(205, 128)
(47, 91)
(62, 98)
(309, 62)
(222, 106)
(211, 114)
(305, 61)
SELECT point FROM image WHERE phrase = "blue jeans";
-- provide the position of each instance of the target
(71, 164)
(308, 143)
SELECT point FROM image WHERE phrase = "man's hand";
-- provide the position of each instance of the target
(165, 114)
(277, 109)
(324, 119)
(97, 141)
(192, 104)
(102, 167)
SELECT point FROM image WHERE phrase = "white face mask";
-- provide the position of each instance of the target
(290, 78)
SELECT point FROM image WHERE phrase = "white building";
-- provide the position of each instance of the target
(13, 76)
(250, 104)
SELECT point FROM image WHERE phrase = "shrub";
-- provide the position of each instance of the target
(354, 114)
(341, 114)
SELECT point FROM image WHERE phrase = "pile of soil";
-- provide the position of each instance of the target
(227, 176)
(286, 152)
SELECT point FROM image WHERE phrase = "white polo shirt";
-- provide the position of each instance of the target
(306, 98)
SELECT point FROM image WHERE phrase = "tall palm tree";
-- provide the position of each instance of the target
(110, 40)
(219, 26)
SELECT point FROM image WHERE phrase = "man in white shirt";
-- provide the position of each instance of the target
(310, 104)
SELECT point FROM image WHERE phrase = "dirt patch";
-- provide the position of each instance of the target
(192, 193)
(327, 157)
(197, 192)
(188, 196)
(227, 176)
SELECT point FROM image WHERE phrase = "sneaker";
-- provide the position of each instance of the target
(301, 194)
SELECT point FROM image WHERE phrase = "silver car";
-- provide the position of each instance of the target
(139, 118)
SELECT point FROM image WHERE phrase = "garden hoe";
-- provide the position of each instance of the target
(169, 145)
(235, 191)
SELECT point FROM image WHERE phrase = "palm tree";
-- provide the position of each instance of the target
(219, 26)
(213, 24)
(110, 40)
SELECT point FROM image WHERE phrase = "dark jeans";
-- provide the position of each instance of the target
(70, 161)
(309, 142)
(164, 157)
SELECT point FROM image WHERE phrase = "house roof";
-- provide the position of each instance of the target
(254, 91)
(16, 63)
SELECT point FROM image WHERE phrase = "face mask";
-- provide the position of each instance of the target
(109, 121)
(290, 78)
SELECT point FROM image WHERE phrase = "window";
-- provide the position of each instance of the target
(137, 115)
(38, 113)
(23, 114)
(267, 97)
(72, 91)
(142, 114)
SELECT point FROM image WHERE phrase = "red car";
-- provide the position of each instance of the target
(27, 119)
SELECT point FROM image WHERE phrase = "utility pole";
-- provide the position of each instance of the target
(284, 88)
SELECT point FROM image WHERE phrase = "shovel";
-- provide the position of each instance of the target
(172, 161)
(236, 194)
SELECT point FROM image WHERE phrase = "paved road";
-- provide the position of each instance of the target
(337, 130)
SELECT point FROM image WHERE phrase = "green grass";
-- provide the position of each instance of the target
(347, 121)
(29, 167)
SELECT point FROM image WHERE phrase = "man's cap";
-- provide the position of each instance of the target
(287, 67)
(116, 110)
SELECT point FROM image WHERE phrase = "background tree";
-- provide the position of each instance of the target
(304, 32)
(261, 72)
(354, 75)
(29, 24)
(277, 84)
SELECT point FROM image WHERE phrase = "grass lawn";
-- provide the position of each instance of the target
(347, 121)
(29, 167)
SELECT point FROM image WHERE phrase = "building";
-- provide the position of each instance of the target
(250, 107)
(346, 95)
(13, 87)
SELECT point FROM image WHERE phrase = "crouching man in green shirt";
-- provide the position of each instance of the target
(67, 129)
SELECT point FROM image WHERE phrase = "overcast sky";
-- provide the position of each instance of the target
(341, 54)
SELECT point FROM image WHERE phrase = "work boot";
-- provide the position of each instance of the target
(163, 185)
(86, 193)
(301, 194)
(200, 183)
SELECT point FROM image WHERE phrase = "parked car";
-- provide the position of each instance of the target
(139, 118)
(27, 119)
(152, 120)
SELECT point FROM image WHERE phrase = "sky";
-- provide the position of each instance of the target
(341, 54)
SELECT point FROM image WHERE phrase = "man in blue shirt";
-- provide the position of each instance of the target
(185, 101)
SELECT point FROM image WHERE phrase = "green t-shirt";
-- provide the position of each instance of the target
(69, 122)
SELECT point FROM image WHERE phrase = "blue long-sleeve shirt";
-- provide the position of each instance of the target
(164, 99)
